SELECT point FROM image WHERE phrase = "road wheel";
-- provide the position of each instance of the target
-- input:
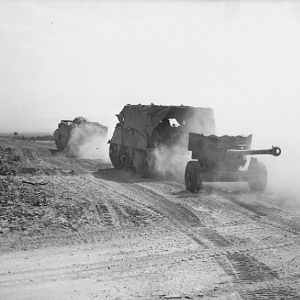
(149, 165)
(126, 157)
(257, 176)
(139, 161)
(193, 176)
(114, 155)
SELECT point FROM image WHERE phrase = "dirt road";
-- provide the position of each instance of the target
(229, 244)
(150, 239)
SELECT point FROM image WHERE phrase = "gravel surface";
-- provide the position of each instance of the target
(101, 233)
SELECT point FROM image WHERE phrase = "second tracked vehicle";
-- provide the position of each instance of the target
(65, 128)
(142, 128)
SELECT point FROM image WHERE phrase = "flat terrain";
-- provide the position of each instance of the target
(78, 229)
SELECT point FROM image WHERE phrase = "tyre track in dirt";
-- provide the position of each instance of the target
(208, 233)
(126, 207)
(219, 243)
(178, 214)
(185, 213)
(265, 213)
(88, 269)
(184, 216)
(250, 204)
(247, 269)
(256, 213)
(254, 279)
(155, 264)
(239, 257)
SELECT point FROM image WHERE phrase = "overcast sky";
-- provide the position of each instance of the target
(61, 59)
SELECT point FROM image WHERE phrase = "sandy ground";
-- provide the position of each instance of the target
(150, 239)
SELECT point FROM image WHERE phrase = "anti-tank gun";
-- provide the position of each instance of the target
(220, 159)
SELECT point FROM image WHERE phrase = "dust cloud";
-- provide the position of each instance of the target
(202, 122)
(283, 171)
(277, 125)
(170, 162)
(87, 141)
(284, 174)
(272, 124)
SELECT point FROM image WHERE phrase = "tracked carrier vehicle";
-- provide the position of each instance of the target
(222, 159)
(142, 128)
(65, 127)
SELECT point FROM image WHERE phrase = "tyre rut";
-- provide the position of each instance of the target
(231, 253)
(243, 268)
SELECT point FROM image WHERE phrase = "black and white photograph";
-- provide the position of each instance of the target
(149, 149)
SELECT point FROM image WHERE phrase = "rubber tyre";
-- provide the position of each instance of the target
(193, 177)
(257, 177)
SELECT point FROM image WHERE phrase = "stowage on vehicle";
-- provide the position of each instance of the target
(142, 128)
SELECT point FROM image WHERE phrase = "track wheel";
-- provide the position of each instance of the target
(257, 175)
(139, 161)
(193, 176)
(114, 155)
(126, 157)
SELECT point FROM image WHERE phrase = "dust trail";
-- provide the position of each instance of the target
(88, 141)
(284, 174)
(170, 162)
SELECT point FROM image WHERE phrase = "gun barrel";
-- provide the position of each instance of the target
(276, 151)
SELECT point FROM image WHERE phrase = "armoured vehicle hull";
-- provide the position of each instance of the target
(142, 128)
(65, 127)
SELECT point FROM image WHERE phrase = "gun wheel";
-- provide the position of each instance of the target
(193, 176)
(257, 176)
